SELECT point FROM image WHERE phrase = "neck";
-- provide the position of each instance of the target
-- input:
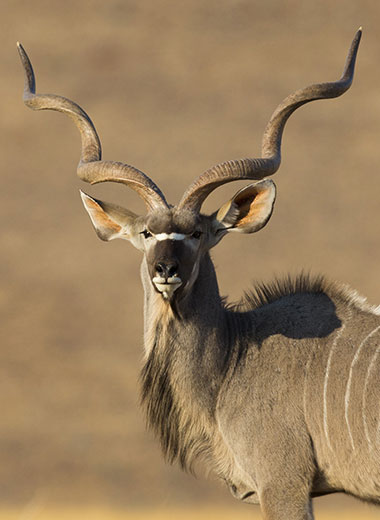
(186, 353)
(201, 307)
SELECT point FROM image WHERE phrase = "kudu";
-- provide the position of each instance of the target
(281, 394)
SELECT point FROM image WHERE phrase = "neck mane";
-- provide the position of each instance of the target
(184, 367)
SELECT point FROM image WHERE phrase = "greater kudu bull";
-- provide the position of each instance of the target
(281, 395)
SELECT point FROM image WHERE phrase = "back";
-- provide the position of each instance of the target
(309, 376)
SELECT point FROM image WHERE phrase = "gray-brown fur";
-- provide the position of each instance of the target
(280, 394)
(263, 388)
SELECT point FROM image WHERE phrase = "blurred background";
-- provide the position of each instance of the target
(173, 88)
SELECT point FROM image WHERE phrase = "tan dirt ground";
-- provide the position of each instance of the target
(247, 513)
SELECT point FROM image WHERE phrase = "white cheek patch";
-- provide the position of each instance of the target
(169, 236)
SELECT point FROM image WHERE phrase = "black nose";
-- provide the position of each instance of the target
(166, 269)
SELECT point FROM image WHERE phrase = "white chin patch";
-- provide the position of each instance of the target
(167, 288)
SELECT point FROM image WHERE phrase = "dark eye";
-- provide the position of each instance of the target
(146, 233)
(197, 234)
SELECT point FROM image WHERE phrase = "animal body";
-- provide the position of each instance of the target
(281, 395)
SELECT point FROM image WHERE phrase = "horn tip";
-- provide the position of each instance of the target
(20, 48)
(358, 35)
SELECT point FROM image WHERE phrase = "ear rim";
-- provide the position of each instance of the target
(109, 220)
(225, 219)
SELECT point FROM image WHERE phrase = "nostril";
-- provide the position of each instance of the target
(172, 270)
(160, 268)
(166, 270)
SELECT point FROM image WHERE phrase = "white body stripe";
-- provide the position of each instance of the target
(169, 236)
(370, 368)
(325, 425)
(348, 388)
(307, 373)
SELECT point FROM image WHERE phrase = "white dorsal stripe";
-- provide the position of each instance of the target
(169, 236)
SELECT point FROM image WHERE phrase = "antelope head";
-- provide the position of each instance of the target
(174, 239)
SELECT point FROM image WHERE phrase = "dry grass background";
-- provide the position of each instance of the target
(173, 87)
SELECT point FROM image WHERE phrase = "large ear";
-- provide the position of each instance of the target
(248, 210)
(110, 221)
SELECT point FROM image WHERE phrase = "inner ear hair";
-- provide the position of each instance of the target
(228, 213)
(250, 205)
(250, 208)
(109, 220)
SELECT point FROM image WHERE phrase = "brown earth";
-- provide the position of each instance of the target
(173, 87)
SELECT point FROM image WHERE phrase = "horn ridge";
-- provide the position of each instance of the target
(271, 144)
(270, 161)
(112, 171)
(91, 147)
(90, 168)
